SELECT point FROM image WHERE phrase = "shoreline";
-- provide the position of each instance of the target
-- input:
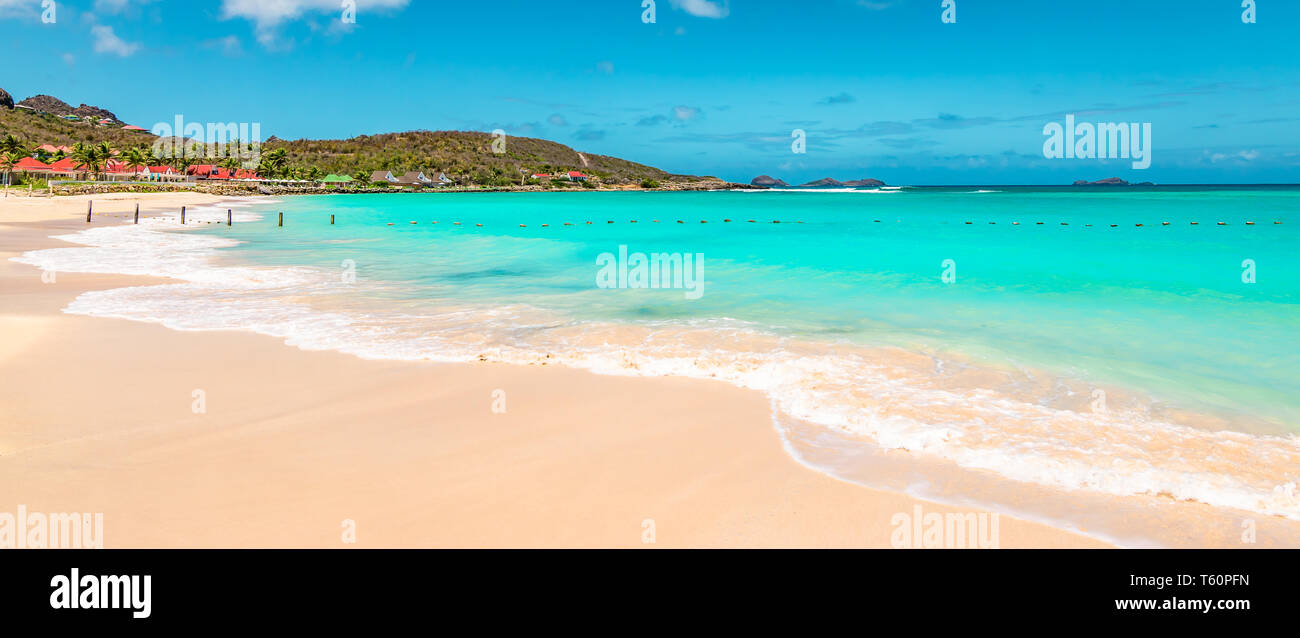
(321, 437)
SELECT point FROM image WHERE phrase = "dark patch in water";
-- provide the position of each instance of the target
(490, 273)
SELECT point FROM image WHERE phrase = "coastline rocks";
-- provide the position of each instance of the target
(825, 182)
(767, 181)
(865, 182)
(1109, 181)
(830, 182)
(6, 100)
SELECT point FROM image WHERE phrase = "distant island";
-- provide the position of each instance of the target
(767, 181)
(1110, 181)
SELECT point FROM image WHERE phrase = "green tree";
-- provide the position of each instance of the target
(136, 158)
(7, 161)
(11, 144)
(274, 163)
(89, 157)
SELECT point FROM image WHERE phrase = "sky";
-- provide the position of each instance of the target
(879, 88)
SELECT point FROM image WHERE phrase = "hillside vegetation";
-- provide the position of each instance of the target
(35, 129)
(466, 157)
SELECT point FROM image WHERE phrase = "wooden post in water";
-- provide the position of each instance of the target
(90, 205)
(228, 216)
(182, 214)
(137, 212)
(281, 220)
(331, 220)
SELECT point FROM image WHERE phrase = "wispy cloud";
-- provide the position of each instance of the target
(229, 45)
(703, 8)
(267, 15)
(107, 42)
(685, 113)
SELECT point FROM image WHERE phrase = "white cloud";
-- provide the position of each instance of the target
(107, 42)
(116, 6)
(19, 9)
(703, 8)
(266, 15)
(685, 113)
(229, 45)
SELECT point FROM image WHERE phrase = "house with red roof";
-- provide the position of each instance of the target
(31, 165)
(212, 171)
(577, 176)
(67, 167)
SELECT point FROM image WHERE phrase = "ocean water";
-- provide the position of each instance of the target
(1052, 337)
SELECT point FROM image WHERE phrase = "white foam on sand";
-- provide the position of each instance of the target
(876, 394)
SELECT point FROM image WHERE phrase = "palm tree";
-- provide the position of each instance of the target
(273, 163)
(136, 157)
(86, 156)
(11, 144)
(7, 161)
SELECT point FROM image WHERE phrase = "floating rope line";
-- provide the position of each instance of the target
(752, 221)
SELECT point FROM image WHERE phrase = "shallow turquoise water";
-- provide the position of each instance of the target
(1160, 309)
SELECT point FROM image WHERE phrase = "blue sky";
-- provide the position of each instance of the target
(882, 88)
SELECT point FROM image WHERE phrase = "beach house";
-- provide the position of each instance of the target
(413, 179)
(382, 176)
(67, 167)
(31, 165)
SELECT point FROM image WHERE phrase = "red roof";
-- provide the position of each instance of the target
(202, 170)
(576, 174)
(65, 165)
(161, 169)
(130, 127)
(30, 164)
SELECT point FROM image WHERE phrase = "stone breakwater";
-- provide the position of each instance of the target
(246, 190)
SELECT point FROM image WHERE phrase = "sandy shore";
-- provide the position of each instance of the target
(97, 415)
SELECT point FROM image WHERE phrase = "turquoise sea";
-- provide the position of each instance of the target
(1116, 340)
(1157, 308)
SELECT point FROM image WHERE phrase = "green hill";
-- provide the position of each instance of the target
(35, 129)
(466, 156)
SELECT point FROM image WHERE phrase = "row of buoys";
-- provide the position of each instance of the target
(280, 222)
(876, 221)
(633, 221)
(1139, 225)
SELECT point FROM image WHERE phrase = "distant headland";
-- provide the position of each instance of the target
(767, 181)
(1109, 181)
